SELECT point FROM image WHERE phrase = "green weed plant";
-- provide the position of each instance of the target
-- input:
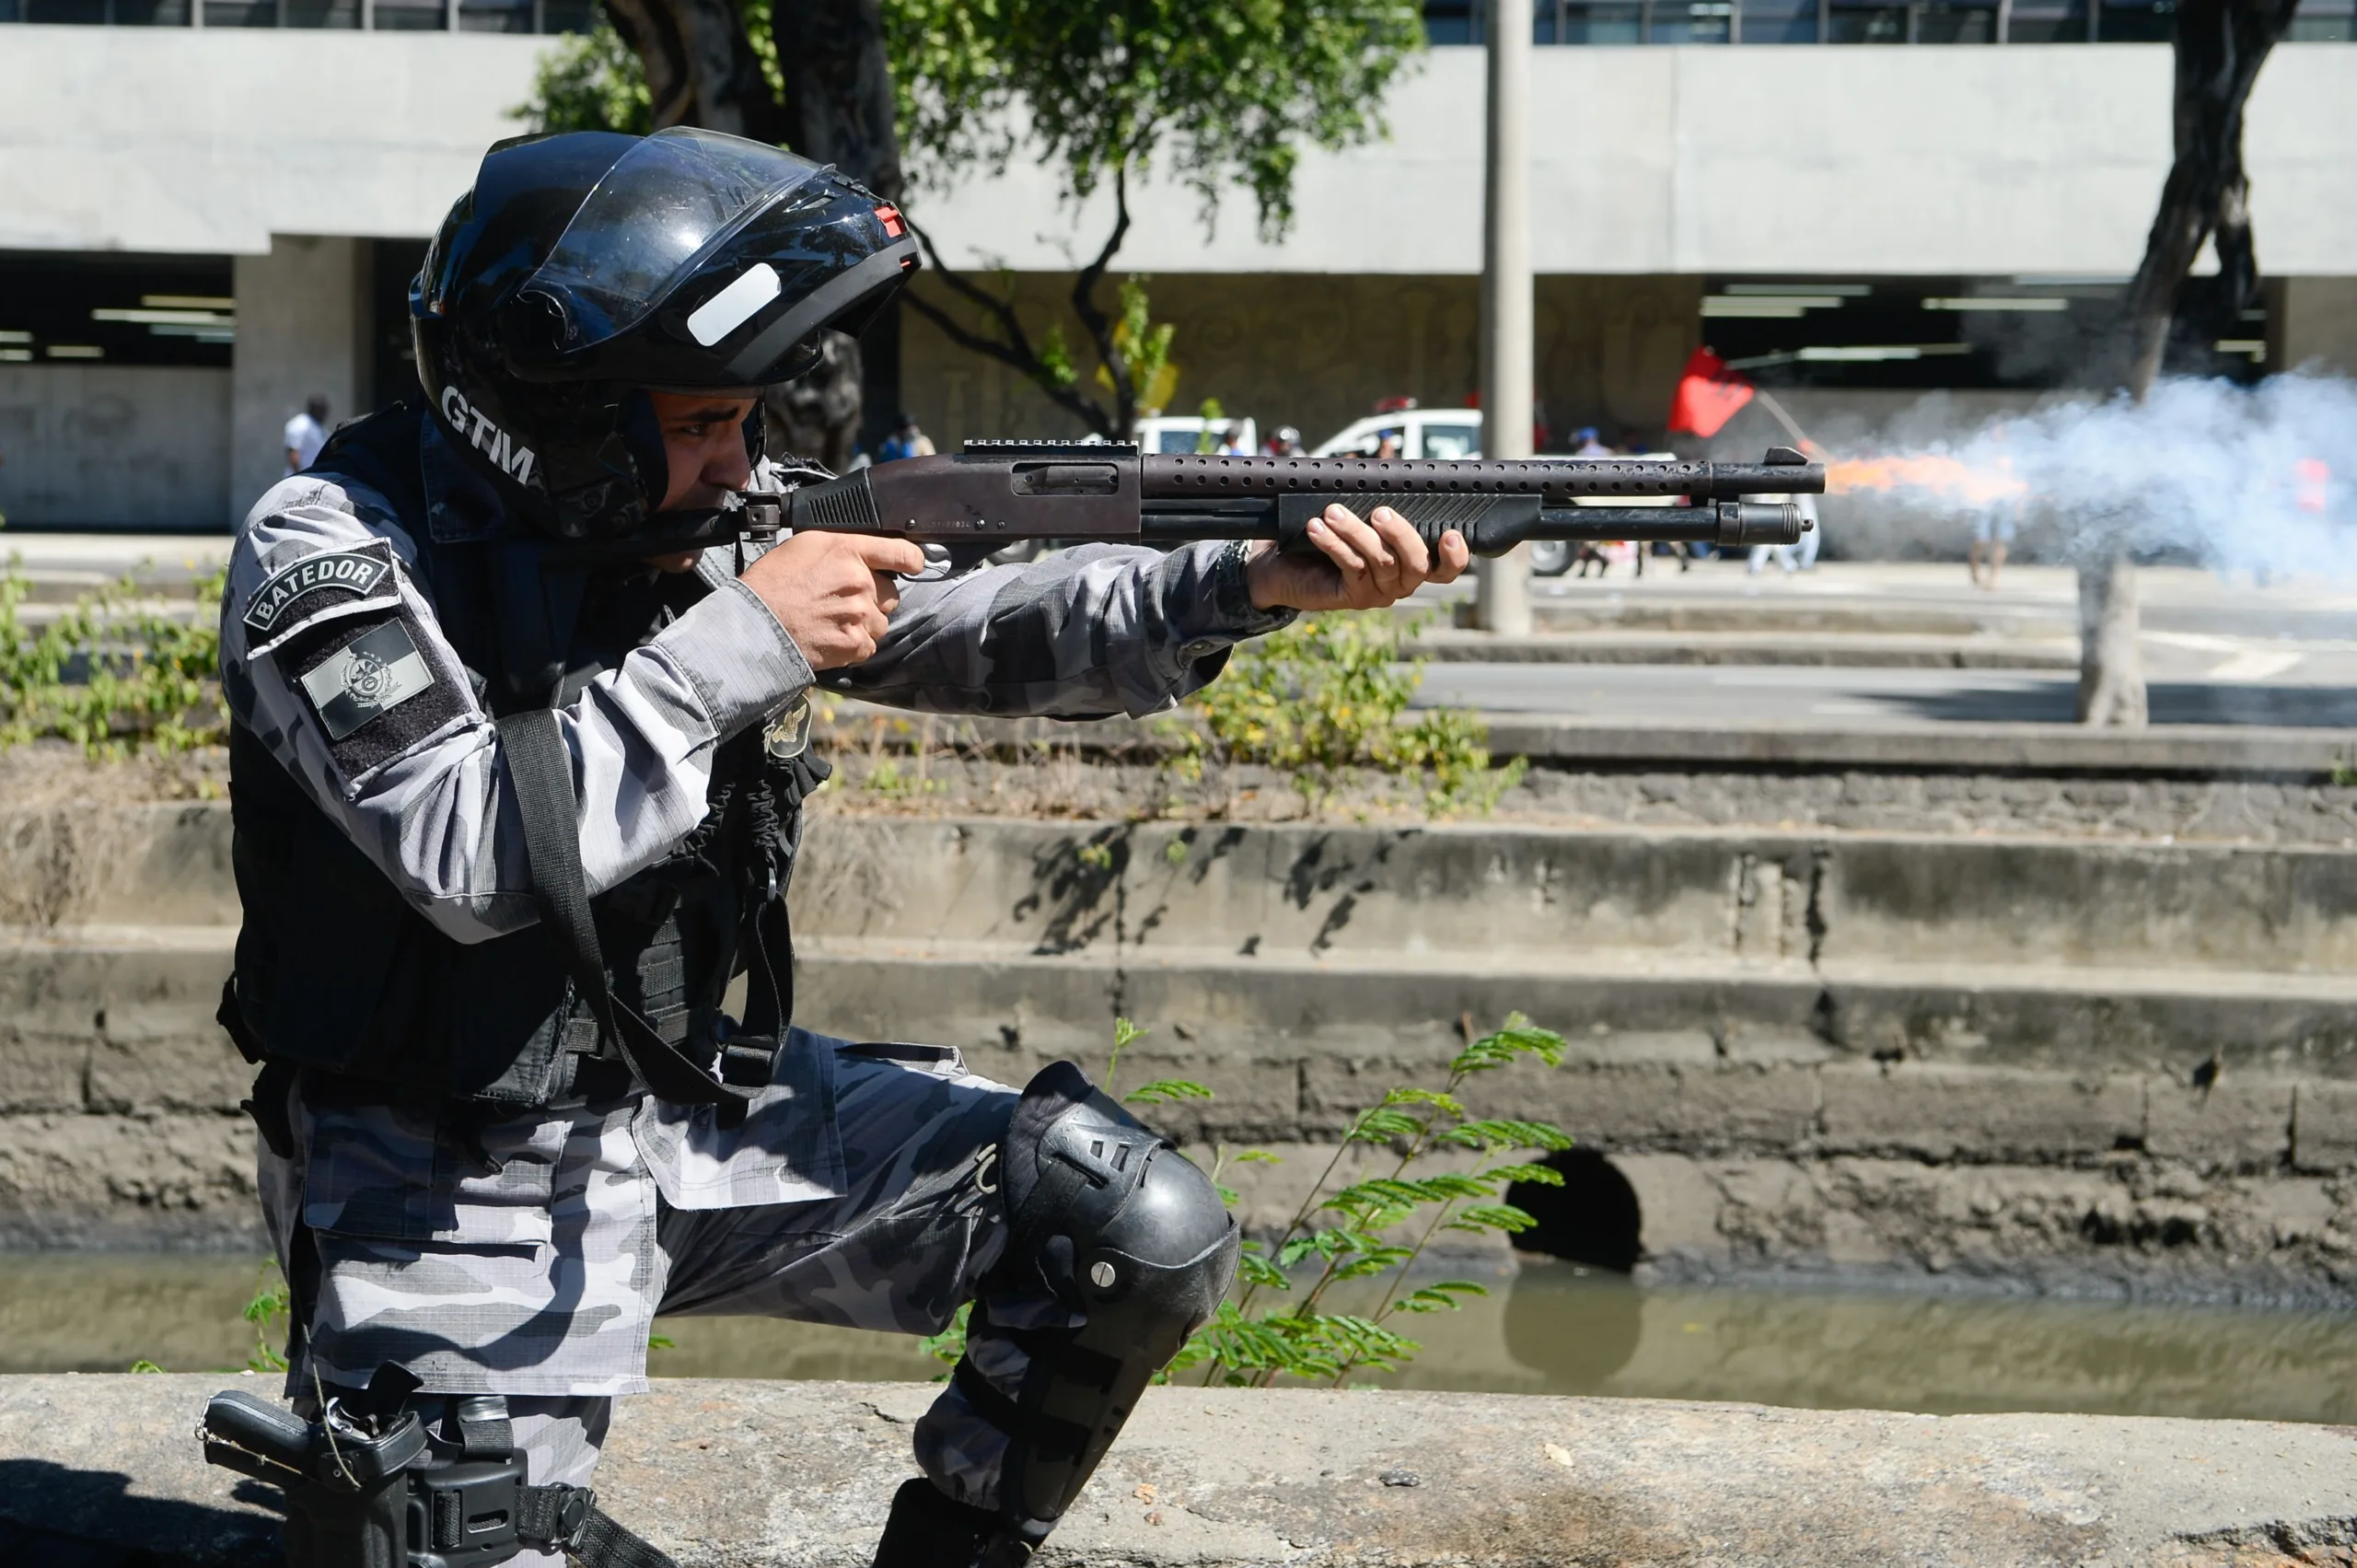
(111, 675)
(1324, 700)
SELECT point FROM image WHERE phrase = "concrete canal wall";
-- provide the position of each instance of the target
(798, 1475)
(2011, 1062)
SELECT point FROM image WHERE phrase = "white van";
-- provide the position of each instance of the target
(1424, 433)
(1184, 433)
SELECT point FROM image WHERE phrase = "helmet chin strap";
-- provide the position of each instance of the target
(641, 433)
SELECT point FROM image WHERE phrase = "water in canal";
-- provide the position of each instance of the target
(1554, 1328)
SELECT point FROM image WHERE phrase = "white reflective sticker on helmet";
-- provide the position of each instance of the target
(734, 305)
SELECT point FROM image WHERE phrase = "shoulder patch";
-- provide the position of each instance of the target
(371, 675)
(330, 576)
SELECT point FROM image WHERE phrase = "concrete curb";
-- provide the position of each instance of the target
(2177, 750)
(798, 1475)
(1449, 646)
(1570, 741)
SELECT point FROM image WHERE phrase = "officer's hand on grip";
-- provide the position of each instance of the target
(833, 593)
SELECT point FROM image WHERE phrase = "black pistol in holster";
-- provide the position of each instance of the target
(368, 1486)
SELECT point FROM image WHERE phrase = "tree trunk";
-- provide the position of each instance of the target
(700, 68)
(839, 110)
(2219, 48)
(839, 88)
(2111, 669)
(817, 418)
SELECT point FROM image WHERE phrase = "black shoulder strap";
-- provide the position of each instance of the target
(537, 605)
(540, 767)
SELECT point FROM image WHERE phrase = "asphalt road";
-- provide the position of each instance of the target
(2215, 651)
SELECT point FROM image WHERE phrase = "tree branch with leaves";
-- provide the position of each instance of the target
(1212, 95)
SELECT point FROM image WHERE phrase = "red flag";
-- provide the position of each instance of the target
(1709, 394)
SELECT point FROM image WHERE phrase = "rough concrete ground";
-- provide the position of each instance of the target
(780, 1475)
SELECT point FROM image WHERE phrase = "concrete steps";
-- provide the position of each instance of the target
(1775, 1035)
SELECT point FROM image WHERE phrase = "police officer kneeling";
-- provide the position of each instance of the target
(518, 776)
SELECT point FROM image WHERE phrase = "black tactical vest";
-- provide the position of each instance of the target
(337, 976)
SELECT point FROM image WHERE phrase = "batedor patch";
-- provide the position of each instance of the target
(368, 676)
(330, 576)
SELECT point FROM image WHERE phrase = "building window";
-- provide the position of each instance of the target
(412, 15)
(2047, 21)
(2137, 21)
(1779, 21)
(495, 16)
(2324, 21)
(1842, 21)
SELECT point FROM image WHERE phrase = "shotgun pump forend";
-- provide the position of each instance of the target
(995, 492)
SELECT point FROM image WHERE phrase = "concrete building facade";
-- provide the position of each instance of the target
(1682, 195)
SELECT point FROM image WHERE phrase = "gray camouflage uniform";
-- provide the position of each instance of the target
(859, 1189)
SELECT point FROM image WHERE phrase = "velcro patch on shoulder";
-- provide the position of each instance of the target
(370, 676)
(329, 577)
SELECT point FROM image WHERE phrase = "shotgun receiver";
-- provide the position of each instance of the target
(997, 492)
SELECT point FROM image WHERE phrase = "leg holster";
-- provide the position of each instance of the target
(368, 1486)
(1107, 1218)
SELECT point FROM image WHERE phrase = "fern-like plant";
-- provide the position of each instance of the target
(1381, 1226)
(1375, 1228)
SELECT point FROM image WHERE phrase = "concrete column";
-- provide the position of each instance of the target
(2312, 322)
(1502, 602)
(302, 330)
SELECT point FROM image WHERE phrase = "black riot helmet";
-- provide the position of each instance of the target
(584, 268)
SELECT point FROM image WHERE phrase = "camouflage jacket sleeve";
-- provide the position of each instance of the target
(331, 655)
(1085, 632)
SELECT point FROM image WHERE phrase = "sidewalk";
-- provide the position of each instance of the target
(1931, 598)
(798, 1475)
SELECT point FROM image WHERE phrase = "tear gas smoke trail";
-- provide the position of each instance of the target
(2244, 478)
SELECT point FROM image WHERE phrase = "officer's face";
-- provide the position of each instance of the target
(704, 449)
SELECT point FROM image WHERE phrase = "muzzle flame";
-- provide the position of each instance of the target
(1946, 477)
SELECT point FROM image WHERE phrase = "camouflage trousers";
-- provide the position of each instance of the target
(528, 1256)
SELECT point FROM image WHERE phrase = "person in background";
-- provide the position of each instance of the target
(1587, 442)
(1232, 443)
(906, 441)
(306, 434)
(1285, 442)
(1993, 531)
(1387, 445)
(1798, 557)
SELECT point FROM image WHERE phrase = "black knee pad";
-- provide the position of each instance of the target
(1109, 1219)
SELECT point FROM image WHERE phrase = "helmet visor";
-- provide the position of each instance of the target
(664, 203)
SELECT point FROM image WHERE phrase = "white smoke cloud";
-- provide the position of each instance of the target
(2259, 478)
